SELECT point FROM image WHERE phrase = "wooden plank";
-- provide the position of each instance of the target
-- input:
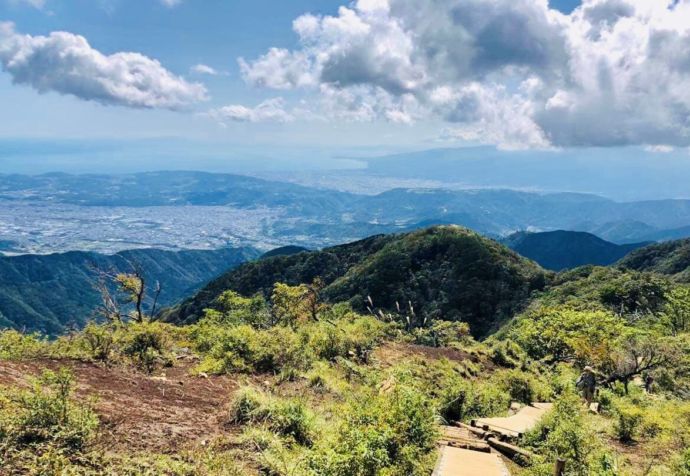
(461, 462)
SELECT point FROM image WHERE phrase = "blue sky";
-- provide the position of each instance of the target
(513, 92)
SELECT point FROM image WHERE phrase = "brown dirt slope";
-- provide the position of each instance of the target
(169, 410)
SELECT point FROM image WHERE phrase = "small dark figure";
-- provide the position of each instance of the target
(648, 383)
(587, 384)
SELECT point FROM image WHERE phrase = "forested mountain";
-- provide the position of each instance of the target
(444, 272)
(49, 293)
(669, 258)
(559, 250)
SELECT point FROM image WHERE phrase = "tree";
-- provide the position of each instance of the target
(562, 335)
(314, 302)
(291, 303)
(677, 310)
(636, 353)
(133, 286)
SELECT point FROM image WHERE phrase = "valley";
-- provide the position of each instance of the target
(192, 210)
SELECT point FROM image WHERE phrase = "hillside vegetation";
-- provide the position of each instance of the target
(289, 380)
(670, 258)
(52, 293)
(441, 273)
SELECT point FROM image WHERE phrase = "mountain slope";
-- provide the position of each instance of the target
(446, 272)
(670, 258)
(48, 293)
(559, 250)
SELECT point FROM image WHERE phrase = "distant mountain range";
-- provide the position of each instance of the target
(559, 250)
(635, 175)
(445, 272)
(49, 293)
(315, 217)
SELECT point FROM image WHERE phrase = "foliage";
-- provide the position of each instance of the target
(393, 433)
(562, 334)
(226, 347)
(99, 341)
(628, 420)
(291, 304)
(567, 433)
(146, 343)
(676, 312)
(623, 292)
(288, 418)
(448, 273)
(15, 345)
(442, 334)
(45, 417)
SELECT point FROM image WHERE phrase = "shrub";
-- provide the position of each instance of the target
(394, 433)
(46, 414)
(565, 433)
(682, 463)
(352, 338)
(246, 404)
(99, 340)
(442, 334)
(462, 400)
(146, 343)
(287, 417)
(628, 420)
(17, 346)
(246, 349)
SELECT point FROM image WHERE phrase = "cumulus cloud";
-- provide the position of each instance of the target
(271, 110)
(510, 72)
(65, 63)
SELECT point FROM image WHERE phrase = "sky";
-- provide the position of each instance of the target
(323, 77)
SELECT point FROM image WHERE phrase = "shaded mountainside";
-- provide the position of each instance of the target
(559, 250)
(669, 258)
(446, 272)
(48, 293)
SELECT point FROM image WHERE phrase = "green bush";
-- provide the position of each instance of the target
(46, 414)
(246, 349)
(287, 417)
(394, 433)
(682, 463)
(15, 345)
(519, 385)
(146, 343)
(465, 400)
(565, 433)
(628, 420)
(98, 340)
(352, 338)
(442, 334)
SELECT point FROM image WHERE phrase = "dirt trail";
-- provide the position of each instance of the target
(164, 412)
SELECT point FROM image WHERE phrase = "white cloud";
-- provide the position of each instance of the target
(65, 63)
(204, 69)
(659, 149)
(171, 3)
(39, 4)
(271, 110)
(510, 72)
